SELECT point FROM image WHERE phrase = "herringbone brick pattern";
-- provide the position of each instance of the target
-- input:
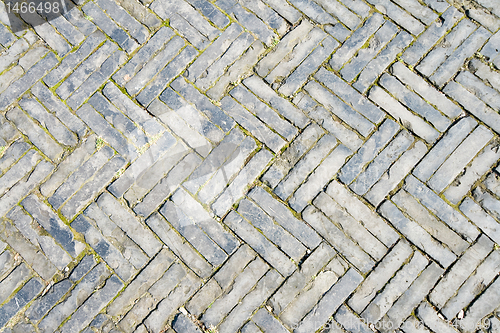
(251, 166)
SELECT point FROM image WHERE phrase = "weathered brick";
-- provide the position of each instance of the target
(22, 297)
(13, 281)
(487, 224)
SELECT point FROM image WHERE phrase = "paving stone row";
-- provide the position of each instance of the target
(250, 166)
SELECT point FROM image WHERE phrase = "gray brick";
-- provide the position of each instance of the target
(93, 305)
(300, 278)
(400, 16)
(349, 225)
(384, 160)
(462, 155)
(181, 324)
(76, 18)
(389, 265)
(330, 302)
(472, 83)
(474, 285)
(267, 322)
(396, 173)
(109, 27)
(339, 108)
(92, 187)
(242, 285)
(19, 170)
(143, 281)
(250, 327)
(431, 36)
(432, 225)
(68, 166)
(267, 15)
(75, 298)
(430, 317)
(171, 238)
(97, 79)
(211, 12)
(13, 53)
(264, 288)
(101, 127)
(455, 61)
(260, 244)
(446, 288)
(484, 221)
(13, 281)
(12, 154)
(117, 237)
(103, 247)
(42, 305)
(35, 134)
(236, 263)
(202, 103)
(252, 124)
(284, 107)
(309, 65)
(157, 319)
(32, 56)
(174, 68)
(252, 23)
(491, 51)
(275, 234)
(47, 33)
(417, 235)
(21, 189)
(58, 108)
(297, 149)
(167, 185)
(283, 216)
(10, 76)
(338, 239)
(261, 110)
(7, 261)
(485, 304)
(374, 223)
(414, 295)
(84, 70)
(446, 47)
(397, 285)
(204, 297)
(428, 92)
(398, 111)
(34, 232)
(349, 95)
(359, 37)
(78, 178)
(84, 266)
(23, 297)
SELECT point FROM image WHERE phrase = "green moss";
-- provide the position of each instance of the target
(99, 143)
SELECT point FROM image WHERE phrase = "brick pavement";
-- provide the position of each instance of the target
(251, 166)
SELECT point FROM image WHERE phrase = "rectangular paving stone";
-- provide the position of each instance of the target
(81, 174)
(35, 134)
(300, 278)
(13, 281)
(264, 288)
(447, 287)
(455, 61)
(484, 221)
(398, 111)
(417, 235)
(485, 304)
(42, 305)
(379, 276)
(330, 302)
(21, 189)
(29, 291)
(284, 107)
(93, 305)
(338, 239)
(260, 244)
(349, 226)
(267, 15)
(383, 161)
(265, 113)
(350, 95)
(431, 224)
(110, 27)
(361, 212)
(211, 12)
(174, 68)
(58, 108)
(174, 242)
(266, 321)
(313, 10)
(485, 93)
(424, 89)
(474, 285)
(19, 170)
(396, 286)
(472, 104)
(400, 16)
(12, 155)
(396, 173)
(226, 275)
(252, 124)
(299, 76)
(430, 317)
(283, 216)
(202, 103)
(426, 40)
(339, 108)
(103, 247)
